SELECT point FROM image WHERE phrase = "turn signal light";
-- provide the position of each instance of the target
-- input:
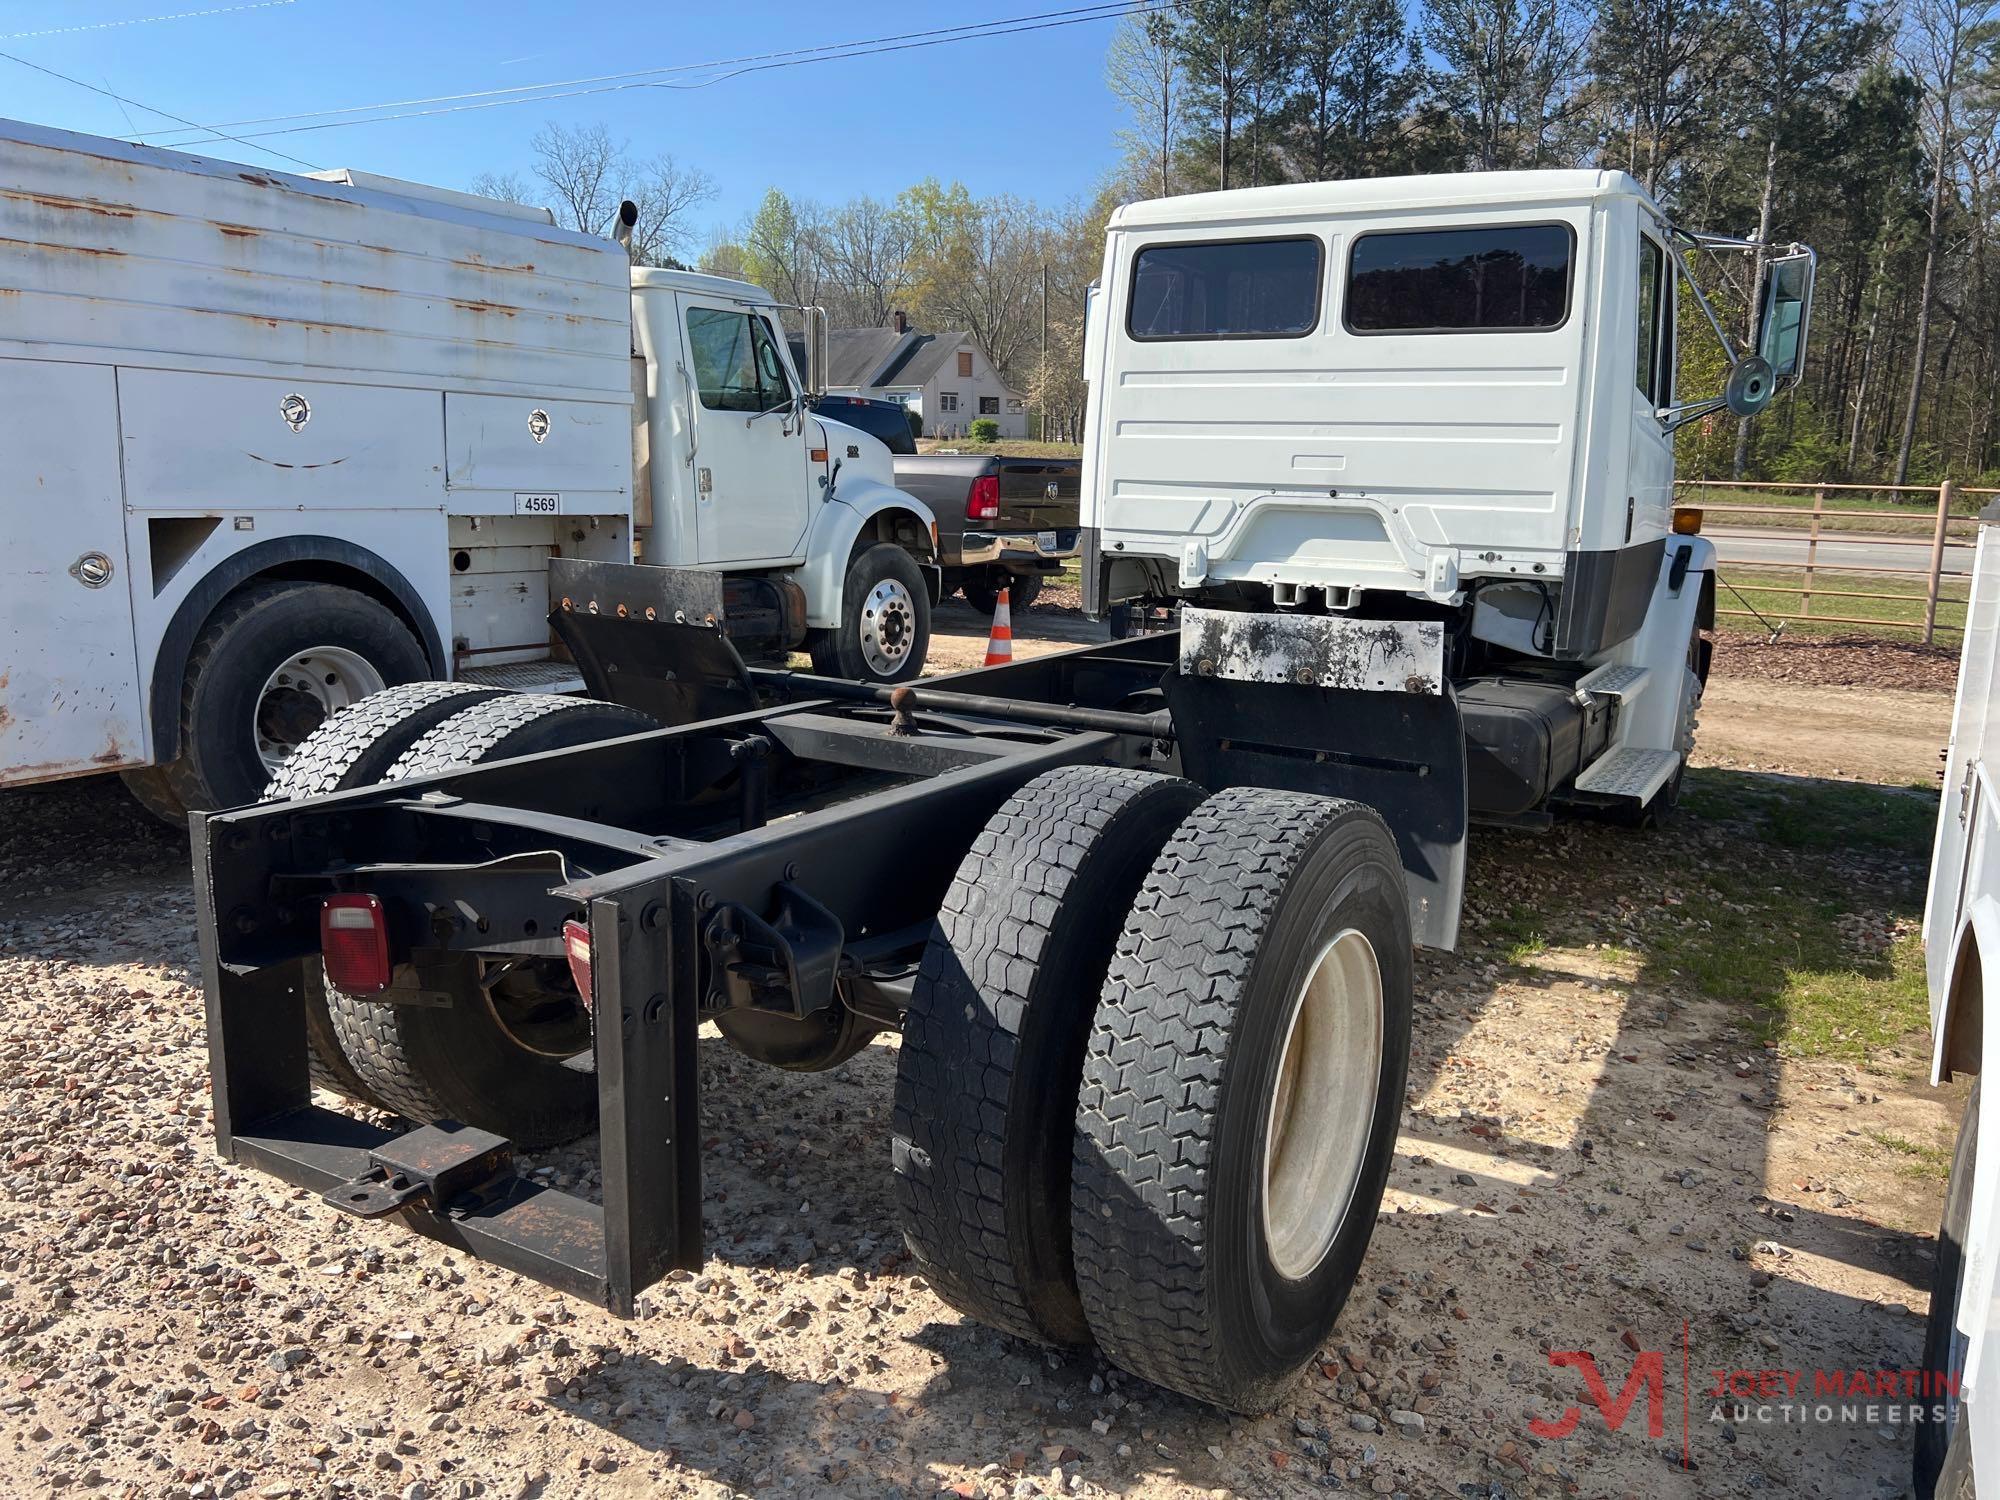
(983, 503)
(576, 948)
(354, 941)
(1687, 520)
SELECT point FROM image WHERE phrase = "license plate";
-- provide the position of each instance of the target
(1046, 540)
(537, 504)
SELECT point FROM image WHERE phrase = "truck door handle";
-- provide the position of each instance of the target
(687, 384)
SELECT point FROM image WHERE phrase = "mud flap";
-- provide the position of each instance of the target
(1402, 753)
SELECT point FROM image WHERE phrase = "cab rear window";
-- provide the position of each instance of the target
(1460, 280)
(1226, 289)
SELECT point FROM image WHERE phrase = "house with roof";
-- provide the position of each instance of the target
(943, 377)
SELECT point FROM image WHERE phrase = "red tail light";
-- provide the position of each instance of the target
(983, 504)
(576, 947)
(354, 941)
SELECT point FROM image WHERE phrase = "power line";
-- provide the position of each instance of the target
(167, 114)
(183, 15)
(647, 78)
(1085, 12)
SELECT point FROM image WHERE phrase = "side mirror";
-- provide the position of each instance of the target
(816, 355)
(1786, 314)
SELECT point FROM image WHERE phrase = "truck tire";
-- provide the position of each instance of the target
(885, 627)
(495, 1055)
(355, 748)
(1944, 1346)
(983, 594)
(271, 664)
(1218, 1216)
(993, 1040)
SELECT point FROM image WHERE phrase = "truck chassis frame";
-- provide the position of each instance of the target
(782, 850)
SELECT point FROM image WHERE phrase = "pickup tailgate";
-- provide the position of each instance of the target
(1037, 494)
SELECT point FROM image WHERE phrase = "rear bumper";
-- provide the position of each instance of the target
(1018, 548)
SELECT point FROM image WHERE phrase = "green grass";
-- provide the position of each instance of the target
(1925, 1163)
(1818, 815)
(1519, 933)
(1902, 614)
(1769, 936)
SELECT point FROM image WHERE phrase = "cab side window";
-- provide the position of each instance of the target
(736, 362)
(1654, 370)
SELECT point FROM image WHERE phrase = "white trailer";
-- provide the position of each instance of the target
(1412, 439)
(274, 442)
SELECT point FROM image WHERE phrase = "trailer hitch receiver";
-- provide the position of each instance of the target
(446, 1165)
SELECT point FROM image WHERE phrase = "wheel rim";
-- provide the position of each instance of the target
(888, 627)
(1322, 1104)
(308, 688)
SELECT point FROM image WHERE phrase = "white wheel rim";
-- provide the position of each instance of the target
(1322, 1105)
(308, 688)
(888, 627)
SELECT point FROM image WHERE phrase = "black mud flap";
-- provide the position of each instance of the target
(1401, 753)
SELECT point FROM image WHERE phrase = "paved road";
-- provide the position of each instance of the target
(1733, 544)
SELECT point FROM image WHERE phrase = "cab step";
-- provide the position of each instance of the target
(1630, 772)
(1621, 681)
(527, 676)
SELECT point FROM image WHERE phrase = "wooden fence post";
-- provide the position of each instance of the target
(1937, 561)
(1812, 548)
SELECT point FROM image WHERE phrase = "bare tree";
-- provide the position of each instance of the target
(865, 247)
(584, 176)
(1144, 73)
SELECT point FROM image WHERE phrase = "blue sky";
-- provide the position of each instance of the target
(1025, 114)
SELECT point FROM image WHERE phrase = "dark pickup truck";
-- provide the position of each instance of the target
(1001, 521)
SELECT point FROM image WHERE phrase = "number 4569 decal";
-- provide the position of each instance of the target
(540, 504)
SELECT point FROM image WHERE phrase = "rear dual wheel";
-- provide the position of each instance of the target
(458, 1036)
(1235, 1045)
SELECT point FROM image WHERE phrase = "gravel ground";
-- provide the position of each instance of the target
(1595, 1157)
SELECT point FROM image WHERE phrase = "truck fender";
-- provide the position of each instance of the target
(859, 510)
(1958, 1034)
(318, 559)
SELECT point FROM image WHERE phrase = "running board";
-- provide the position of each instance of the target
(1630, 772)
(1618, 681)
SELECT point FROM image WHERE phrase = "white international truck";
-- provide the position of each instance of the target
(270, 443)
(1142, 912)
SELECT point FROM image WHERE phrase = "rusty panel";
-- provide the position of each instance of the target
(157, 257)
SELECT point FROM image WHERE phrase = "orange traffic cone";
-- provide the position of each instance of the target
(1000, 646)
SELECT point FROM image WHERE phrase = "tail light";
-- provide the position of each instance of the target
(354, 941)
(983, 504)
(576, 948)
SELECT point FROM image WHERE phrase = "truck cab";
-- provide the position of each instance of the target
(737, 474)
(1414, 436)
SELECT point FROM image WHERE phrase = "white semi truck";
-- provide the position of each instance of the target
(270, 443)
(1142, 912)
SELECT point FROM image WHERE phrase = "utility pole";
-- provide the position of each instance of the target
(1043, 378)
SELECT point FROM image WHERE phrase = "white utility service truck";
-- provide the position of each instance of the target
(272, 443)
(1142, 912)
